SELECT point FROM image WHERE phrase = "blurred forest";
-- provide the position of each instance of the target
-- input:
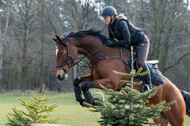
(27, 53)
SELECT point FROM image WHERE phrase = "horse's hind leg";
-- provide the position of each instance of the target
(164, 123)
(161, 120)
(176, 115)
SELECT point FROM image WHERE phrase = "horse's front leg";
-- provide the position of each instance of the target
(95, 84)
(77, 89)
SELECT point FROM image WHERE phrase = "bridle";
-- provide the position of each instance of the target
(68, 56)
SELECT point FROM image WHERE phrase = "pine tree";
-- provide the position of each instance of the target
(127, 107)
(37, 112)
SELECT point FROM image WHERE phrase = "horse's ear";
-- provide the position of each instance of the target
(61, 41)
(54, 38)
(58, 39)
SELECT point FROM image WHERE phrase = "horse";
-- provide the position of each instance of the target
(103, 60)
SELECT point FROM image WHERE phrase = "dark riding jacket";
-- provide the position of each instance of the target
(125, 32)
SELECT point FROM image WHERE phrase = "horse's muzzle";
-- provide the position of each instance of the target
(61, 75)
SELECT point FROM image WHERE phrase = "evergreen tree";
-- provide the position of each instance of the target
(35, 112)
(127, 107)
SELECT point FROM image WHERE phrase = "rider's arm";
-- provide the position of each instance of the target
(124, 30)
(123, 27)
(110, 33)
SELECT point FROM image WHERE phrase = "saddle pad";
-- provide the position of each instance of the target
(156, 75)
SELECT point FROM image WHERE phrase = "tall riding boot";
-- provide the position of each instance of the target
(147, 78)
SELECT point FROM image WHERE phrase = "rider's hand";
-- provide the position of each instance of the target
(109, 43)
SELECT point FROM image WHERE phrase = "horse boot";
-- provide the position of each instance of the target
(77, 90)
(147, 78)
(87, 95)
(78, 95)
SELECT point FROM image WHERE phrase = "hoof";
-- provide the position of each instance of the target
(99, 96)
(97, 102)
(81, 101)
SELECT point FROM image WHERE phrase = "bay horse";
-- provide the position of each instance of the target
(103, 60)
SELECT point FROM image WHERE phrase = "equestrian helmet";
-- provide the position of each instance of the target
(108, 11)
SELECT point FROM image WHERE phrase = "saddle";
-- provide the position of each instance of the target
(156, 75)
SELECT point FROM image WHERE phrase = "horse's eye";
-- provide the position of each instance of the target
(62, 53)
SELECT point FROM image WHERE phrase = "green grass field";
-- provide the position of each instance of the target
(68, 111)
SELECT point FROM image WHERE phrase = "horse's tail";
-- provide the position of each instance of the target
(186, 96)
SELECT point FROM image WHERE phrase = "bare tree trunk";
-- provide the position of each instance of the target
(1, 58)
(42, 48)
(28, 19)
(180, 52)
(135, 12)
(157, 32)
(3, 39)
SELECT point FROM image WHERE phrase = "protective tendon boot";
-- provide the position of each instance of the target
(78, 95)
(88, 97)
(147, 77)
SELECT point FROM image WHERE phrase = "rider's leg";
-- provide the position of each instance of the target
(142, 53)
(147, 78)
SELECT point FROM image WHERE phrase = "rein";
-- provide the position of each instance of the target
(89, 65)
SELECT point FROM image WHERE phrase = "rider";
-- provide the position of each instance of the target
(127, 35)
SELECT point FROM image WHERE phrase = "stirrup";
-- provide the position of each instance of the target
(145, 87)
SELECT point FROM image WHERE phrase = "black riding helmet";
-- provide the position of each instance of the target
(108, 11)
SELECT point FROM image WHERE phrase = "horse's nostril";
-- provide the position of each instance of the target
(59, 77)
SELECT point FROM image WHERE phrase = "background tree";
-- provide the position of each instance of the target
(4, 17)
(29, 53)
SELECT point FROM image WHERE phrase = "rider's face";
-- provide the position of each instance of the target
(107, 19)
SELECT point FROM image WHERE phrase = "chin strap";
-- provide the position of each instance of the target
(112, 19)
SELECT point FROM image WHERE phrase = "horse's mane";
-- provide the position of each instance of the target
(82, 33)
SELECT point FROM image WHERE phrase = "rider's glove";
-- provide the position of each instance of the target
(110, 42)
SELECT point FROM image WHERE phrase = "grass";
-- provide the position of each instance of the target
(68, 111)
